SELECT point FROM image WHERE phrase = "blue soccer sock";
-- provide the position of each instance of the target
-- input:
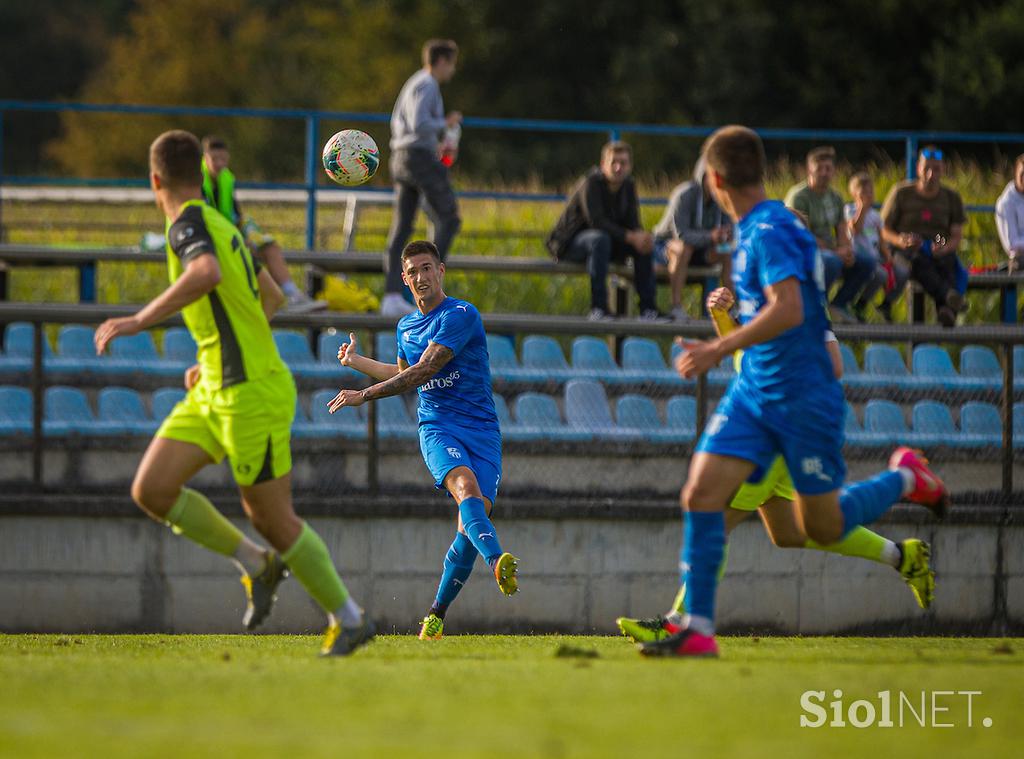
(703, 551)
(458, 564)
(479, 529)
(864, 502)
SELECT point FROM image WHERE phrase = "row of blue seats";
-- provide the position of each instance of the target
(542, 360)
(932, 425)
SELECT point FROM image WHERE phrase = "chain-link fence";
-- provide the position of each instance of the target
(587, 411)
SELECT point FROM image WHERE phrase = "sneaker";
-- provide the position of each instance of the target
(652, 315)
(955, 301)
(393, 304)
(300, 303)
(929, 490)
(679, 314)
(646, 630)
(683, 643)
(261, 590)
(342, 641)
(841, 316)
(598, 315)
(916, 572)
(947, 316)
(433, 627)
(506, 570)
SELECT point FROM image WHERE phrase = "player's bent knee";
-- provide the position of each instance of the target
(152, 497)
(825, 534)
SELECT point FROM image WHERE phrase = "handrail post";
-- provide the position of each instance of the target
(702, 405)
(87, 282)
(37, 404)
(1007, 423)
(312, 134)
(911, 156)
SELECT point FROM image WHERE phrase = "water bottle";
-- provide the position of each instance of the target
(450, 143)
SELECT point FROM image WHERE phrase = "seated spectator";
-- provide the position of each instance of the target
(601, 224)
(693, 230)
(823, 206)
(866, 231)
(1010, 217)
(219, 192)
(923, 220)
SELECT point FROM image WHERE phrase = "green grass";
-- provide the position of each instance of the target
(491, 696)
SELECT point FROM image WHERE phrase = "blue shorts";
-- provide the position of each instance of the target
(445, 448)
(807, 432)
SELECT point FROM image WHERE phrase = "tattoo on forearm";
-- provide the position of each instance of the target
(430, 363)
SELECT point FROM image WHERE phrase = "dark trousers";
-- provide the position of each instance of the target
(936, 274)
(594, 246)
(418, 173)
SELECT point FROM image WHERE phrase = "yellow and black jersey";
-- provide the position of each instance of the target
(228, 323)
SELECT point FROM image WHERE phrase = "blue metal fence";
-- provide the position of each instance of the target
(313, 119)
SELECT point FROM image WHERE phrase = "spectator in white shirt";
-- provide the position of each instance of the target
(1010, 217)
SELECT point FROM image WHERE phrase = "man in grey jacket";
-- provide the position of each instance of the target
(694, 230)
(417, 123)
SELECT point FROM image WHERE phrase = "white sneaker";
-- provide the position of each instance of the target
(394, 304)
(300, 303)
(679, 315)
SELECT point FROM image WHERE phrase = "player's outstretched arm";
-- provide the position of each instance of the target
(271, 297)
(201, 276)
(430, 363)
(348, 355)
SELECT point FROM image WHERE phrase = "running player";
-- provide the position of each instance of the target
(773, 499)
(442, 351)
(786, 400)
(240, 403)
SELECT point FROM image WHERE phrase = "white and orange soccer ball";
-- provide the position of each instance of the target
(351, 157)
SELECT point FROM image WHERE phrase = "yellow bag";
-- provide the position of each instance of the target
(342, 295)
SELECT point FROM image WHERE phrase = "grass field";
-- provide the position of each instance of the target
(496, 696)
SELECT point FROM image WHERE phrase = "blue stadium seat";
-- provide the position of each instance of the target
(543, 360)
(386, 347)
(1018, 363)
(295, 352)
(66, 411)
(591, 359)
(637, 412)
(852, 375)
(642, 362)
(933, 424)
(884, 365)
(164, 400)
(586, 408)
(123, 408)
(884, 423)
(138, 353)
(302, 427)
(981, 424)
(934, 368)
(1018, 423)
(510, 430)
(681, 417)
(76, 353)
(179, 346)
(723, 374)
(347, 422)
(16, 359)
(855, 434)
(980, 369)
(393, 420)
(537, 414)
(15, 411)
(501, 352)
(327, 352)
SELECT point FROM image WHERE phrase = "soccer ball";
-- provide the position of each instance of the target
(351, 157)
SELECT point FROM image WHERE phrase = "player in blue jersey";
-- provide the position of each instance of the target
(442, 351)
(784, 401)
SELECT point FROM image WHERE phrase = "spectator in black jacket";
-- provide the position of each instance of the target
(601, 224)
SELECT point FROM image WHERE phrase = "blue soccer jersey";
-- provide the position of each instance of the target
(774, 246)
(460, 394)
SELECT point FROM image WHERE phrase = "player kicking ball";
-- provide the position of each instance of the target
(240, 403)
(784, 402)
(773, 499)
(442, 351)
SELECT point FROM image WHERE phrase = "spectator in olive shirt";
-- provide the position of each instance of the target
(823, 207)
(923, 220)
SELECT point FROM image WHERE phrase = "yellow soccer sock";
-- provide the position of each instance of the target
(193, 516)
(864, 543)
(310, 562)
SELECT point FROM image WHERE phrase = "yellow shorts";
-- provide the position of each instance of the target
(775, 483)
(250, 422)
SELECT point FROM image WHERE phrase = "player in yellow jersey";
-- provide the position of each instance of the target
(240, 404)
(773, 498)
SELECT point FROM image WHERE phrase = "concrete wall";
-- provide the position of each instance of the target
(120, 572)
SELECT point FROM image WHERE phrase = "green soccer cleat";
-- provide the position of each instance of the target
(645, 630)
(342, 641)
(916, 572)
(261, 590)
(433, 627)
(505, 572)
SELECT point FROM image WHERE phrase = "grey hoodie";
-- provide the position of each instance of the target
(689, 216)
(1010, 218)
